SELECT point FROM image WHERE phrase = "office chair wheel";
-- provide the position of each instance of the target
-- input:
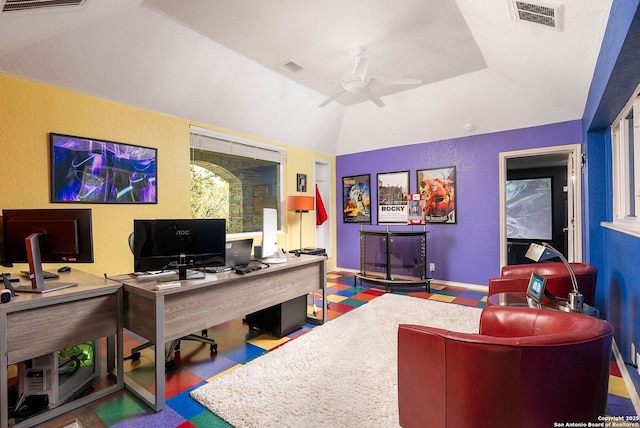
(205, 333)
(134, 356)
(213, 347)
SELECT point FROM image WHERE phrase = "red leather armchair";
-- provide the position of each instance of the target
(526, 368)
(516, 278)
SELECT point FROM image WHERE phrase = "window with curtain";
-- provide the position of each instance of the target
(235, 178)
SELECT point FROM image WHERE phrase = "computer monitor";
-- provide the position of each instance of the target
(178, 244)
(36, 274)
(64, 235)
(269, 232)
(271, 253)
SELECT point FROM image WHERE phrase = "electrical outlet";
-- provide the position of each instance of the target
(432, 267)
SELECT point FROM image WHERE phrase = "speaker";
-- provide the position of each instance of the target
(5, 296)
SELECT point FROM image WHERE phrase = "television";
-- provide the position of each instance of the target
(99, 171)
(163, 244)
(529, 209)
(63, 235)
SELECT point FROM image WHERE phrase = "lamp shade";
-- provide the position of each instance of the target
(300, 203)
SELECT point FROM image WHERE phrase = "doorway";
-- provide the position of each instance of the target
(322, 174)
(559, 164)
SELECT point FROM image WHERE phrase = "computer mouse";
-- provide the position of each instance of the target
(64, 269)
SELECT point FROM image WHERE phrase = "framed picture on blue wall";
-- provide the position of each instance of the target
(86, 170)
(438, 185)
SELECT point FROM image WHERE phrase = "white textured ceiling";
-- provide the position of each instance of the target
(422, 39)
(217, 62)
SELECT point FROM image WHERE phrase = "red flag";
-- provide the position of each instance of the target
(321, 212)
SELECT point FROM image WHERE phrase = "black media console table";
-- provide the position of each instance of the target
(393, 258)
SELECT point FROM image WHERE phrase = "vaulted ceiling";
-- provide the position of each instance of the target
(435, 69)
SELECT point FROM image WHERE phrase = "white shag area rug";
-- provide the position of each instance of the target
(340, 374)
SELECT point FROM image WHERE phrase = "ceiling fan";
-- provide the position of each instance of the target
(358, 81)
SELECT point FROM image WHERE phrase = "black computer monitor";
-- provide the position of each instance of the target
(64, 235)
(173, 244)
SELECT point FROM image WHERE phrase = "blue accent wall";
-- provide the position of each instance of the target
(468, 251)
(616, 76)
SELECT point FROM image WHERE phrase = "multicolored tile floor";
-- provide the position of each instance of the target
(238, 344)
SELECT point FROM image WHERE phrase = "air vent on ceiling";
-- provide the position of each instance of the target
(20, 5)
(548, 15)
(291, 65)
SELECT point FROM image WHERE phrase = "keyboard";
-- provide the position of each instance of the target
(47, 275)
(167, 275)
(218, 269)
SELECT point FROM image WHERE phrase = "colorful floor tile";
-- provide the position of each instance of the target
(237, 344)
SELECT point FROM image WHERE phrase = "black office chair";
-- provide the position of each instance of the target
(175, 345)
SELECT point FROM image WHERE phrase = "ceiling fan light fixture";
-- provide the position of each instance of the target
(355, 86)
(358, 81)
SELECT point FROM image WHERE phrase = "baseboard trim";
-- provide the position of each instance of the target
(475, 287)
(633, 394)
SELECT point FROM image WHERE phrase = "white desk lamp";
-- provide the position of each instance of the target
(537, 252)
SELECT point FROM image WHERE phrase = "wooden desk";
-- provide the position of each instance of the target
(32, 325)
(162, 316)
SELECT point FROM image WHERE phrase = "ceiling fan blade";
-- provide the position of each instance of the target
(360, 70)
(374, 98)
(396, 81)
(331, 98)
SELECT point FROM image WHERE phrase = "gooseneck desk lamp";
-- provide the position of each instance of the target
(300, 204)
(537, 252)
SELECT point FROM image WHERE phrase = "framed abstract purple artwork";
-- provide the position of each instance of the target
(86, 170)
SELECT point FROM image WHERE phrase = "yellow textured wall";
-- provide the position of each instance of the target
(301, 161)
(29, 111)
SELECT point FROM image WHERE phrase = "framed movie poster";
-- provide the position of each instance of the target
(356, 197)
(393, 193)
(438, 185)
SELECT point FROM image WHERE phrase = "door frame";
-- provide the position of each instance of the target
(574, 196)
(322, 174)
